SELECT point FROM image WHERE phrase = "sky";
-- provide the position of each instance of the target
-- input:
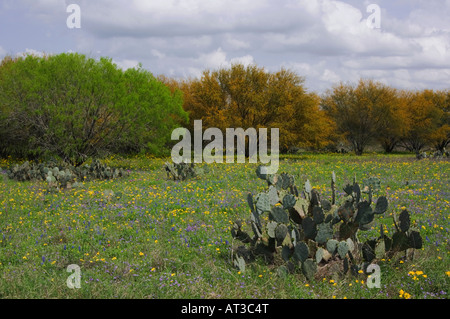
(403, 43)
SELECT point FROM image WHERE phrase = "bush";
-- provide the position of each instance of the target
(75, 107)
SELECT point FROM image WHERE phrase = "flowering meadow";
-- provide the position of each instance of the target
(144, 236)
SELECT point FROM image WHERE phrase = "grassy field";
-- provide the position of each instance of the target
(157, 238)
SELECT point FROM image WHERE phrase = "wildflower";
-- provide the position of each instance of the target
(114, 258)
(141, 253)
(447, 273)
(404, 294)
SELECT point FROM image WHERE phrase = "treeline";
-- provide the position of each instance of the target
(358, 115)
(77, 107)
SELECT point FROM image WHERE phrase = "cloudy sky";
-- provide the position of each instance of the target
(325, 41)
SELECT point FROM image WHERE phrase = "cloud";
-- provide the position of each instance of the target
(218, 59)
(324, 40)
(126, 64)
(2, 53)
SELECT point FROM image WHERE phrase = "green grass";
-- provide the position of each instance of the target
(168, 239)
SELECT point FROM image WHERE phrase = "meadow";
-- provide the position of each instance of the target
(156, 238)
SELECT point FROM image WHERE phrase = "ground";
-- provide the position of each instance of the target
(157, 238)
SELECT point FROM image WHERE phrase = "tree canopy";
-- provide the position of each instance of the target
(251, 97)
(76, 107)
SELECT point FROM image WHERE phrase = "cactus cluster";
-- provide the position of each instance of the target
(182, 171)
(311, 232)
(438, 154)
(63, 175)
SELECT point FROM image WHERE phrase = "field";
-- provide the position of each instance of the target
(158, 238)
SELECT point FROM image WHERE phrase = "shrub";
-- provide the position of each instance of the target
(76, 108)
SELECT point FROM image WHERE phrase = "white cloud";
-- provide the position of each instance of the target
(324, 40)
(234, 43)
(126, 64)
(33, 52)
(245, 60)
(214, 60)
(330, 76)
(218, 59)
(2, 53)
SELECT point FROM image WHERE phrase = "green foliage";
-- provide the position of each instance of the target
(312, 233)
(75, 107)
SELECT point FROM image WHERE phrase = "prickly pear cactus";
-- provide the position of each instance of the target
(182, 171)
(60, 175)
(313, 234)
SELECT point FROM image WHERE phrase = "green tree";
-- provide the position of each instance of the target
(77, 107)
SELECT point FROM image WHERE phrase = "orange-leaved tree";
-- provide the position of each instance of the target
(251, 97)
(423, 119)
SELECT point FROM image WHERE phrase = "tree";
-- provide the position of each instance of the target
(439, 138)
(77, 107)
(422, 119)
(362, 112)
(251, 97)
(12, 136)
(392, 123)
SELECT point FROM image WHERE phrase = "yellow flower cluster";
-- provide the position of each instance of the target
(416, 274)
(404, 294)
